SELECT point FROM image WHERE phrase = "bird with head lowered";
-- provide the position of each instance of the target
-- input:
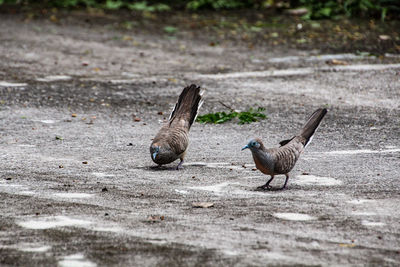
(172, 139)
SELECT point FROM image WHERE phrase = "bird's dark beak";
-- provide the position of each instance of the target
(246, 146)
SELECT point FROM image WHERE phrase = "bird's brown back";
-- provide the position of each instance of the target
(285, 157)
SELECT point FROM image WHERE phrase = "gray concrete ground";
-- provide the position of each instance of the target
(341, 206)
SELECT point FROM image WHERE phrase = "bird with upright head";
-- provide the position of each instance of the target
(281, 160)
(172, 139)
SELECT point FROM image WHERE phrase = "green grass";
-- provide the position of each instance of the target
(317, 9)
(252, 115)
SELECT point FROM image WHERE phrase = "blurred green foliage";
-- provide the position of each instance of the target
(244, 117)
(317, 9)
(351, 8)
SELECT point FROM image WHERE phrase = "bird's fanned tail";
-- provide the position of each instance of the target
(189, 102)
(312, 124)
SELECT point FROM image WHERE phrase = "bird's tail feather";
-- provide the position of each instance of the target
(312, 124)
(188, 105)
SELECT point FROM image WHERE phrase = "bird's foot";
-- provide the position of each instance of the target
(270, 188)
(265, 187)
(179, 167)
(277, 188)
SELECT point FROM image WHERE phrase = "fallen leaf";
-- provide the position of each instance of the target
(60, 166)
(384, 37)
(74, 115)
(84, 162)
(274, 35)
(202, 204)
(137, 119)
(53, 18)
(127, 38)
(297, 11)
(170, 29)
(155, 218)
(336, 62)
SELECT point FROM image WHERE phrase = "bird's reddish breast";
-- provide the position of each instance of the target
(261, 167)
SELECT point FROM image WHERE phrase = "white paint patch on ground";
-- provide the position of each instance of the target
(256, 74)
(183, 192)
(27, 145)
(230, 252)
(131, 75)
(157, 242)
(363, 67)
(114, 229)
(10, 185)
(363, 213)
(316, 180)
(291, 59)
(297, 71)
(369, 223)
(76, 260)
(48, 121)
(280, 257)
(73, 195)
(217, 188)
(124, 81)
(53, 78)
(27, 193)
(361, 201)
(102, 175)
(52, 222)
(224, 165)
(33, 248)
(362, 151)
(7, 84)
(294, 216)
